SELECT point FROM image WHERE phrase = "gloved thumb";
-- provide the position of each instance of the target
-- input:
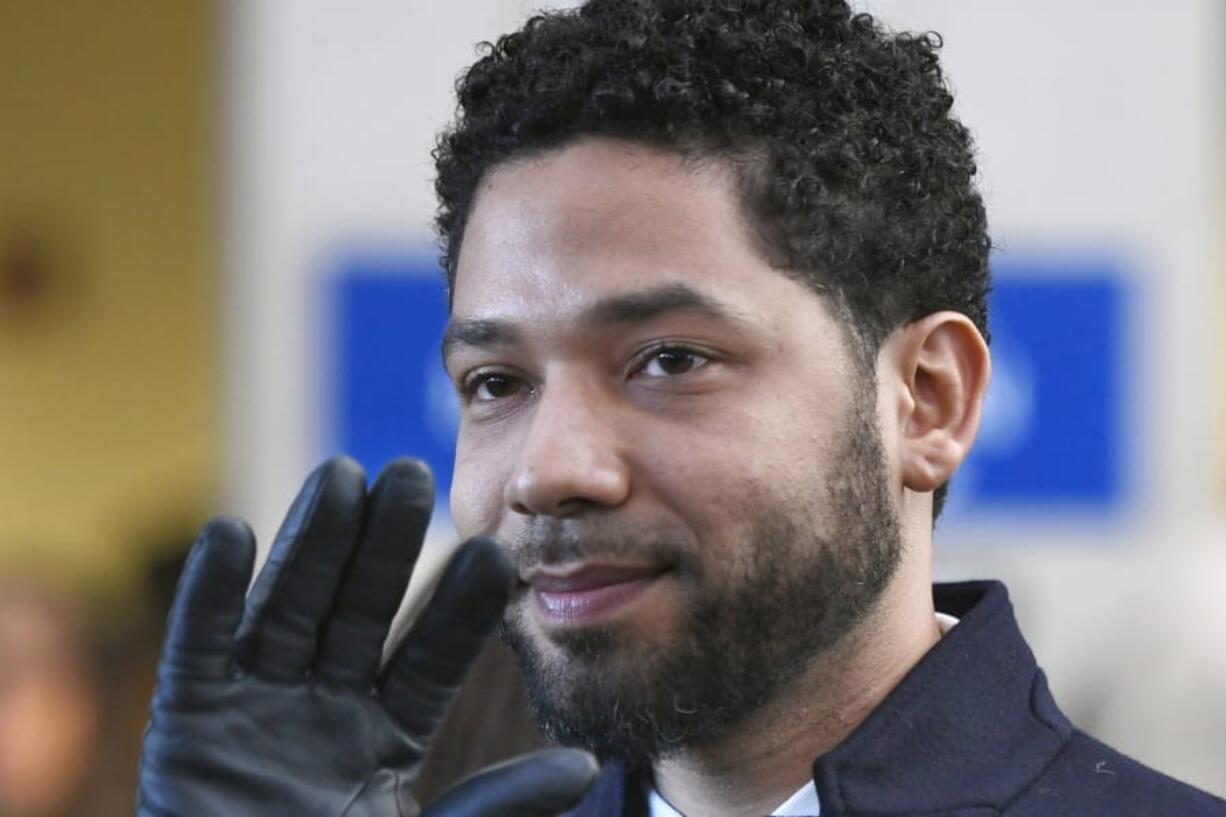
(542, 784)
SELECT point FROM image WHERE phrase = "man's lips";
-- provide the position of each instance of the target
(585, 594)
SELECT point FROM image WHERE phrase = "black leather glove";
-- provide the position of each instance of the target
(278, 706)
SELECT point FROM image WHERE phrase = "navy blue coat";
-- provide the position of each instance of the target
(972, 731)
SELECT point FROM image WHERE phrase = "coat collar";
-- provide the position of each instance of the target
(969, 728)
(963, 734)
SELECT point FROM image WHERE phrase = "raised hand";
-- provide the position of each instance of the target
(274, 702)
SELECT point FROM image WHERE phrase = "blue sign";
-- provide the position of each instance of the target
(1053, 435)
(392, 397)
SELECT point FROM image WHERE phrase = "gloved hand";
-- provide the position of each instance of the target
(278, 706)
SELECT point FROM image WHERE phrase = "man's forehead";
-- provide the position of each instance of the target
(595, 207)
(592, 183)
(600, 229)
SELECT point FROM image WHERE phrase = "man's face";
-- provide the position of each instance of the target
(673, 439)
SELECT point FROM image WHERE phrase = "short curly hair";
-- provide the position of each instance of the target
(851, 168)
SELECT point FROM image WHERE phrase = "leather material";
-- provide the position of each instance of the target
(274, 702)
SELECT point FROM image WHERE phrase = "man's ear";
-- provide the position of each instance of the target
(942, 365)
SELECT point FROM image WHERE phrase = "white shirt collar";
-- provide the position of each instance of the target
(805, 802)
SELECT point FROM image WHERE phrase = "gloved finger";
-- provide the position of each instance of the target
(208, 604)
(429, 665)
(543, 784)
(296, 586)
(397, 515)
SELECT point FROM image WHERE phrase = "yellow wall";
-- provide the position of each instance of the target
(108, 383)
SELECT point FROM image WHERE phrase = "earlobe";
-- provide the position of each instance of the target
(946, 368)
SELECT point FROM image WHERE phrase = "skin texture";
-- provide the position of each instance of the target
(572, 429)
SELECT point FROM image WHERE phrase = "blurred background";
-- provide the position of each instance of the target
(216, 269)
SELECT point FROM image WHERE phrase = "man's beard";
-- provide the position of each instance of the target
(792, 596)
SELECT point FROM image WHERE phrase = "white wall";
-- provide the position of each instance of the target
(1099, 126)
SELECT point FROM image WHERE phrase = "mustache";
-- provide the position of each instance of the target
(552, 546)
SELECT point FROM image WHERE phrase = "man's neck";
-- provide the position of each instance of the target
(770, 756)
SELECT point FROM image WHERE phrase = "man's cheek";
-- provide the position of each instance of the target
(705, 491)
(476, 495)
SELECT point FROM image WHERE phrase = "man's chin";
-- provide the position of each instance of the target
(556, 652)
(589, 688)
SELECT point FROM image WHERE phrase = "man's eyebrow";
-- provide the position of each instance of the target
(627, 308)
(638, 307)
(477, 332)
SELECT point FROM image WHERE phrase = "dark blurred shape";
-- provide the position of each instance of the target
(131, 669)
(38, 277)
(161, 577)
(50, 703)
(26, 272)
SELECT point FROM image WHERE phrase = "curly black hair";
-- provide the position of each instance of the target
(851, 167)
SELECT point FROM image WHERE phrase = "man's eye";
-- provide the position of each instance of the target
(490, 387)
(673, 362)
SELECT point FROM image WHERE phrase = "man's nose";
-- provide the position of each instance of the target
(572, 460)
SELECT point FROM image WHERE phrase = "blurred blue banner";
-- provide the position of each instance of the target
(1053, 435)
(391, 395)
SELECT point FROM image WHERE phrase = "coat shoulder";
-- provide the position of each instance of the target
(1090, 778)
